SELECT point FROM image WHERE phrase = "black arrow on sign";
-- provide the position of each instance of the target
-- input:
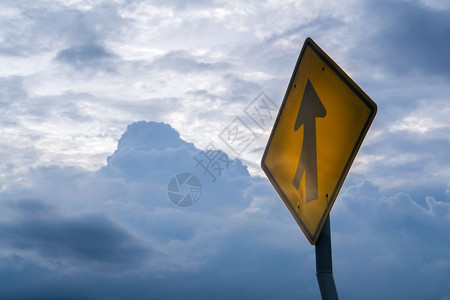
(310, 109)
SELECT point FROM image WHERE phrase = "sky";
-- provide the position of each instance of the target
(105, 103)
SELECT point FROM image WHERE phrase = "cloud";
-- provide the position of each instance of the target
(389, 231)
(11, 90)
(87, 56)
(408, 38)
(90, 238)
(33, 29)
(184, 62)
(68, 243)
(76, 73)
(119, 219)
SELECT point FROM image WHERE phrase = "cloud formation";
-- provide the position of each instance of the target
(70, 244)
(118, 221)
(77, 75)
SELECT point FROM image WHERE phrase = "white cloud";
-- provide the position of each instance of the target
(429, 117)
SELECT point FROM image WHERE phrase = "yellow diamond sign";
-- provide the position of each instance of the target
(321, 124)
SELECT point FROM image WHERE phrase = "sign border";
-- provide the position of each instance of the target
(312, 237)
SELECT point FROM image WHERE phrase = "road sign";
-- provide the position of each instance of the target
(320, 126)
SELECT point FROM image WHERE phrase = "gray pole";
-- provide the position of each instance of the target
(324, 264)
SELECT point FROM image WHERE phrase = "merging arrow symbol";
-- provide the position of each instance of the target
(310, 109)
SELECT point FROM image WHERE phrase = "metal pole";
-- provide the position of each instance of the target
(324, 264)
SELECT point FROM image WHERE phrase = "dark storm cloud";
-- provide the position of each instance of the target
(411, 38)
(78, 241)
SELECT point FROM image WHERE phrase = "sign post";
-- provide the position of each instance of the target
(324, 264)
(319, 129)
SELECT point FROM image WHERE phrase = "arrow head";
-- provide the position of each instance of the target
(310, 108)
